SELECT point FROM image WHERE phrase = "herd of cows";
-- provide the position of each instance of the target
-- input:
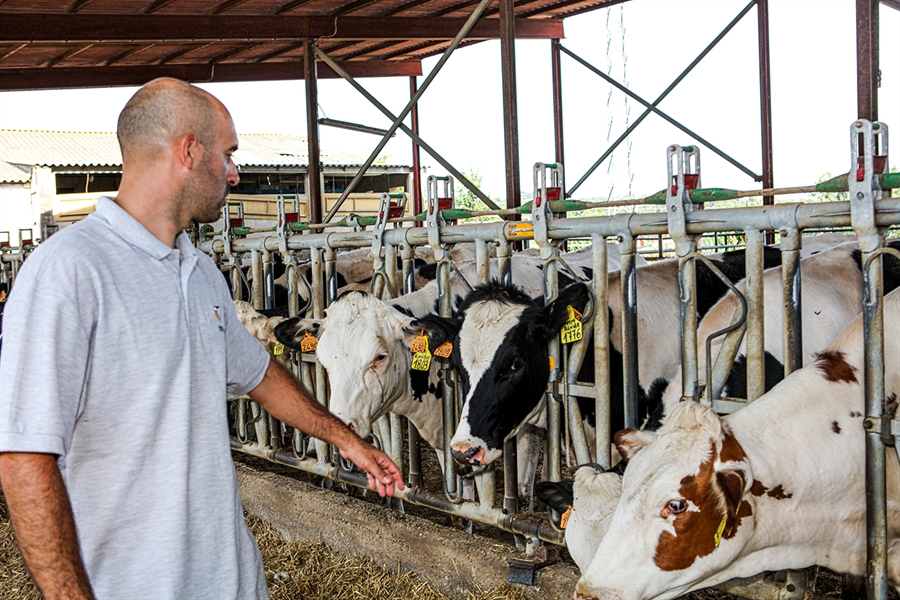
(697, 498)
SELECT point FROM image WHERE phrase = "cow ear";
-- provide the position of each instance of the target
(630, 441)
(556, 313)
(291, 331)
(271, 324)
(557, 495)
(438, 329)
(733, 474)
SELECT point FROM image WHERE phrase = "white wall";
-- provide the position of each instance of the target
(16, 210)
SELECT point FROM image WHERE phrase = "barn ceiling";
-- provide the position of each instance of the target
(47, 44)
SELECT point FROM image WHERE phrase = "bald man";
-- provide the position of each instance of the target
(121, 344)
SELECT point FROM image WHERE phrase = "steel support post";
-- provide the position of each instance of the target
(863, 193)
(602, 386)
(556, 70)
(416, 154)
(756, 341)
(867, 72)
(314, 170)
(791, 297)
(510, 108)
(765, 98)
(470, 23)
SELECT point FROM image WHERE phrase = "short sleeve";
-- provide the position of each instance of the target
(247, 360)
(46, 349)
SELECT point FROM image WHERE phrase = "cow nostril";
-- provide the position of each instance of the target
(352, 427)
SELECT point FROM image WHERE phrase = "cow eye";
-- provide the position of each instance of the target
(675, 507)
(516, 366)
(382, 356)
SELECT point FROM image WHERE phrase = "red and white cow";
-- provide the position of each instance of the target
(777, 485)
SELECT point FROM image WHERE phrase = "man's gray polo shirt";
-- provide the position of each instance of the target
(118, 354)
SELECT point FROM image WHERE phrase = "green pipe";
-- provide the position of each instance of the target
(298, 226)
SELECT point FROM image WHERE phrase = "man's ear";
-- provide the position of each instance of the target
(438, 329)
(188, 150)
(292, 331)
(556, 313)
(630, 441)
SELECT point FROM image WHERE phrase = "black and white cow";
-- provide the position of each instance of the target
(777, 485)
(364, 344)
(492, 411)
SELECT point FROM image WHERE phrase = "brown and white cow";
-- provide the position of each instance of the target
(777, 485)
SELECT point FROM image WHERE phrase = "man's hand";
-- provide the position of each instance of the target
(384, 476)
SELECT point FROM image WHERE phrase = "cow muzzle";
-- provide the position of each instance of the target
(473, 455)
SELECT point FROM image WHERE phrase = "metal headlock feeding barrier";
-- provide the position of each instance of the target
(312, 285)
(868, 212)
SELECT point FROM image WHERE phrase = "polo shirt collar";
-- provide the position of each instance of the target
(130, 230)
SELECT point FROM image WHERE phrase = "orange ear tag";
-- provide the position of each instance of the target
(279, 349)
(444, 350)
(564, 519)
(421, 361)
(571, 331)
(309, 342)
(419, 343)
(552, 363)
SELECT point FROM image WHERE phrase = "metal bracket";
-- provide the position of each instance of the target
(521, 570)
(434, 217)
(862, 181)
(678, 201)
(544, 194)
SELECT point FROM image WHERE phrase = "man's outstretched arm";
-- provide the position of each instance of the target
(42, 519)
(290, 402)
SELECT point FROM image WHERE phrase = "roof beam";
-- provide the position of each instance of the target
(89, 28)
(85, 77)
(224, 6)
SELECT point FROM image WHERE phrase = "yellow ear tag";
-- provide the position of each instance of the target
(718, 537)
(279, 348)
(309, 342)
(444, 350)
(564, 519)
(422, 360)
(419, 344)
(571, 331)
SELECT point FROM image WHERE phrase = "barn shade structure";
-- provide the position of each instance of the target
(50, 44)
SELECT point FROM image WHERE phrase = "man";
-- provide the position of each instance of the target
(120, 345)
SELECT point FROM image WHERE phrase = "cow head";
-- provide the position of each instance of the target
(364, 344)
(684, 514)
(503, 363)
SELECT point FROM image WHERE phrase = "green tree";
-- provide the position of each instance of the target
(464, 197)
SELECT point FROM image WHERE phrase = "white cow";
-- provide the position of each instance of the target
(777, 485)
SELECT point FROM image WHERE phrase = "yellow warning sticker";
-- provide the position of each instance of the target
(520, 231)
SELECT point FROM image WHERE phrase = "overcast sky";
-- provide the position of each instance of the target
(644, 42)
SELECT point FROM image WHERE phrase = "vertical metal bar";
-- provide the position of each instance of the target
(510, 111)
(601, 350)
(627, 255)
(876, 482)
(316, 203)
(765, 97)
(556, 70)
(482, 261)
(790, 278)
(510, 478)
(269, 276)
(554, 421)
(256, 286)
(449, 397)
(867, 74)
(409, 286)
(756, 341)
(504, 263)
(687, 284)
(416, 156)
(330, 277)
(390, 267)
(318, 307)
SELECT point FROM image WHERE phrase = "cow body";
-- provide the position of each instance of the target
(831, 291)
(777, 485)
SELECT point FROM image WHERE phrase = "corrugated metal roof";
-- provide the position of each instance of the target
(95, 149)
(14, 173)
